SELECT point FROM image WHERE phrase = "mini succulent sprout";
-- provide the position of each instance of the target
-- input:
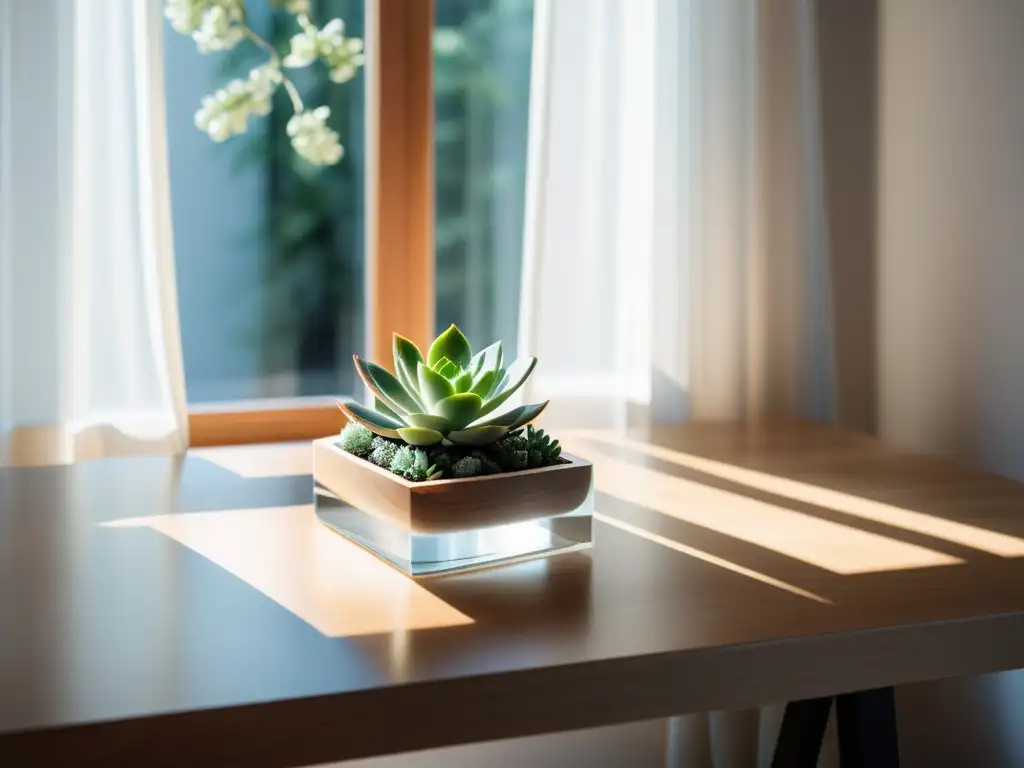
(446, 398)
(540, 448)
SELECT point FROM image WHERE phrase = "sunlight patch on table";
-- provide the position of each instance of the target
(321, 577)
(256, 461)
(994, 543)
(822, 543)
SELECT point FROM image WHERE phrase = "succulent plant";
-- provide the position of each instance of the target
(488, 466)
(467, 466)
(411, 463)
(383, 452)
(446, 397)
(540, 448)
(357, 439)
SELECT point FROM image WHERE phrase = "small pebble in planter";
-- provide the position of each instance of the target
(433, 418)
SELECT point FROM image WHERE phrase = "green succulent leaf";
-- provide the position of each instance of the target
(487, 359)
(453, 345)
(437, 365)
(381, 407)
(448, 369)
(435, 475)
(498, 384)
(377, 423)
(463, 382)
(407, 354)
(514, 379)
(428, 421)
(433, 386)
(386, 387)
(411, 385)
(481, 435)
(484, 382)
(459, 409)
(516, 417)
(420, 436)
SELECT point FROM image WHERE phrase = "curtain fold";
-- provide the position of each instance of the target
(675, 258)
(89, 339)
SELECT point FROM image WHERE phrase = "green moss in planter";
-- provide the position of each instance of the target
(357, 439)
(467, 466)
(383, 452)
(524, 449)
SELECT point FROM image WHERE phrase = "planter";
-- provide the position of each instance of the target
(441, 526)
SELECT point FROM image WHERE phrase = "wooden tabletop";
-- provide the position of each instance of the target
(165, 610)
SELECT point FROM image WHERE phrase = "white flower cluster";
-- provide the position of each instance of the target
(219, 25)
(226, 112)
(186, 15)
(221, 29)
(312, 139)
(215, 25)
(342, 55)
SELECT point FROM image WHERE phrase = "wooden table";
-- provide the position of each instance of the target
(159, 611)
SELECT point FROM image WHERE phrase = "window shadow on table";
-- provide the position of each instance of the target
(764, 514)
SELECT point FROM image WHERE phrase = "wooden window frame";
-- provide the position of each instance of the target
(400, 224)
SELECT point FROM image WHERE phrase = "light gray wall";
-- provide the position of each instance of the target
(847, 51)
(951, 242)
(950, 283)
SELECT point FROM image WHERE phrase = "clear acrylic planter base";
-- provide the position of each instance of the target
(446, 526)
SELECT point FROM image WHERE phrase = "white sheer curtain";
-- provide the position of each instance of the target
(90, 358)
(675, 259)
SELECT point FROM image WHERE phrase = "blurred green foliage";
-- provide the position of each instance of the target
(313, 236)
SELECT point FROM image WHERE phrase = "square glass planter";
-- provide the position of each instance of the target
(441, 526)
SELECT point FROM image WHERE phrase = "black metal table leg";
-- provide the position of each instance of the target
(867, 729)
(803, 728)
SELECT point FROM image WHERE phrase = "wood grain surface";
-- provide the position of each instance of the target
(452, 504)
(127, 644)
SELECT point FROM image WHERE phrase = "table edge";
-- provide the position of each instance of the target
(430, 714)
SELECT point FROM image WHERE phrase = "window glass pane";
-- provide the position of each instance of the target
(482, 89)
(269, 250)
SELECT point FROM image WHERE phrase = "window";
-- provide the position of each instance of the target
(481, 97)
(269, 252)
(284, 272)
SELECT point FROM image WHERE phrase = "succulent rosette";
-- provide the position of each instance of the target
(448, 397)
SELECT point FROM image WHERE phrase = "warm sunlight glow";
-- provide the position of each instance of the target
(254, 461)
(321, 577)
(948, 530)
(708, 558)
(837, 548)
